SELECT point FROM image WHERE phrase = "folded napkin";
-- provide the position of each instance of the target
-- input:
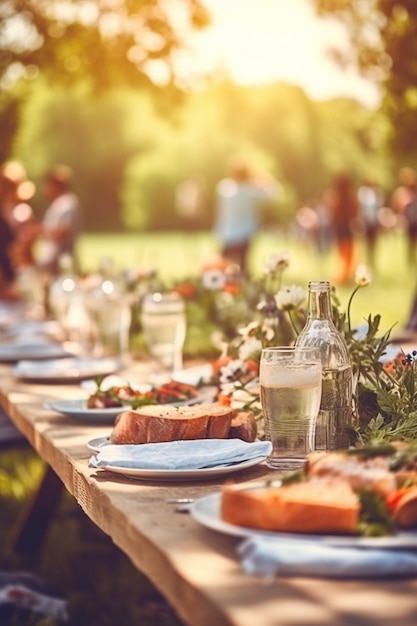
(181, 455)
(261, 556)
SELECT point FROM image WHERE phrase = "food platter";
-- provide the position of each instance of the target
(206, 511)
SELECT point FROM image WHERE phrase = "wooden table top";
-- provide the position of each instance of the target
(196, 568)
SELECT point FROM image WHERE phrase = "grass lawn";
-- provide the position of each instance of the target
(178, 255)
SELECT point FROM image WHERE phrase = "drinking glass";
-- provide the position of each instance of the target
(290, 381)
(164, 327)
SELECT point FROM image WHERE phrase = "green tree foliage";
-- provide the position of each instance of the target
(107, 42)
(383, 34)
(99, 44)
(129, 159)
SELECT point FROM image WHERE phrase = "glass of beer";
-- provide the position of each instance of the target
(290, 381)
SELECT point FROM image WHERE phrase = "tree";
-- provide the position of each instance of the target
(109, 42)
(101, 43)
(383, 36)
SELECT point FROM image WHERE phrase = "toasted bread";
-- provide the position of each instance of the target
(243, 426)
(157, 423)
(316, 506)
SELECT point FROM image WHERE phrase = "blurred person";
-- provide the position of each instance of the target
(17, 227)
(325, 234)
(401, 197)
(190, 201)
(240, 199)
(402, 193)
(15, 193)
(7, 271)
(371, 200)
(61, 222)
(410, 212)
(341, 200)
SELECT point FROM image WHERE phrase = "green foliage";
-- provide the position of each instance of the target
(105, 43)
(383, 36)
(130, 158)
(375, 519)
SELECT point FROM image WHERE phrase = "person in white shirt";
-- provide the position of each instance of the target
(240, 199)
(61, 222)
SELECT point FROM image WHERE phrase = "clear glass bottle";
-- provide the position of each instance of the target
(335, 415)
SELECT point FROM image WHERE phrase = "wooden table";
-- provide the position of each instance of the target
(194, 567)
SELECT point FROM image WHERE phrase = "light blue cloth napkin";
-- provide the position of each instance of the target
(267, 558)
(184, 455)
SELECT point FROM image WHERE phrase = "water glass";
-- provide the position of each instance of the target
(290, 381)
(111, 327)
(164, 328)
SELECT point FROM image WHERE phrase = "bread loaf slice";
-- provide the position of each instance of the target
(243, 426)
(317, 506)
(157, 423)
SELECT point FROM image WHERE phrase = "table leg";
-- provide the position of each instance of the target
(31, 528)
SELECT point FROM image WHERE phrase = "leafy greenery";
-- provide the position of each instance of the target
(107, 42)
(375, 519)
(134, 156)
(383, 36)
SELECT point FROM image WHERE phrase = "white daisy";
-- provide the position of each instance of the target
(277, 263)
(362, 276)
(290, 298)
(231, 371)
(250, 349)
(213, 279)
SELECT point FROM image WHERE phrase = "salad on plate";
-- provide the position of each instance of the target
(125, 395)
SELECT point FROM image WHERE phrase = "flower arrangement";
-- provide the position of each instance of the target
(251, 315)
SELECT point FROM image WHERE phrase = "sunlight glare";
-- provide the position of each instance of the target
(265, 41)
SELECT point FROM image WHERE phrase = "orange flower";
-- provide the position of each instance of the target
(232, 288)
(223, 399)
(186, 290)
(252, 366)
(219, 363)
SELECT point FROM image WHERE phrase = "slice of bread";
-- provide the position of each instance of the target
(316, 506)
(243, 426)
(157, 423)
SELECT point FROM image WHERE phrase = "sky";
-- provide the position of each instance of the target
(265, 41)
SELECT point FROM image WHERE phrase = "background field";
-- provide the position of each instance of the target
(180, 255)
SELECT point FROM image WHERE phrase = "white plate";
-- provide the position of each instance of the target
(97, 443)
(13, 352)
(41, 328)
(194, 375)
(65, 370)
(78, 409)
(206, 511)
(205, 473)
